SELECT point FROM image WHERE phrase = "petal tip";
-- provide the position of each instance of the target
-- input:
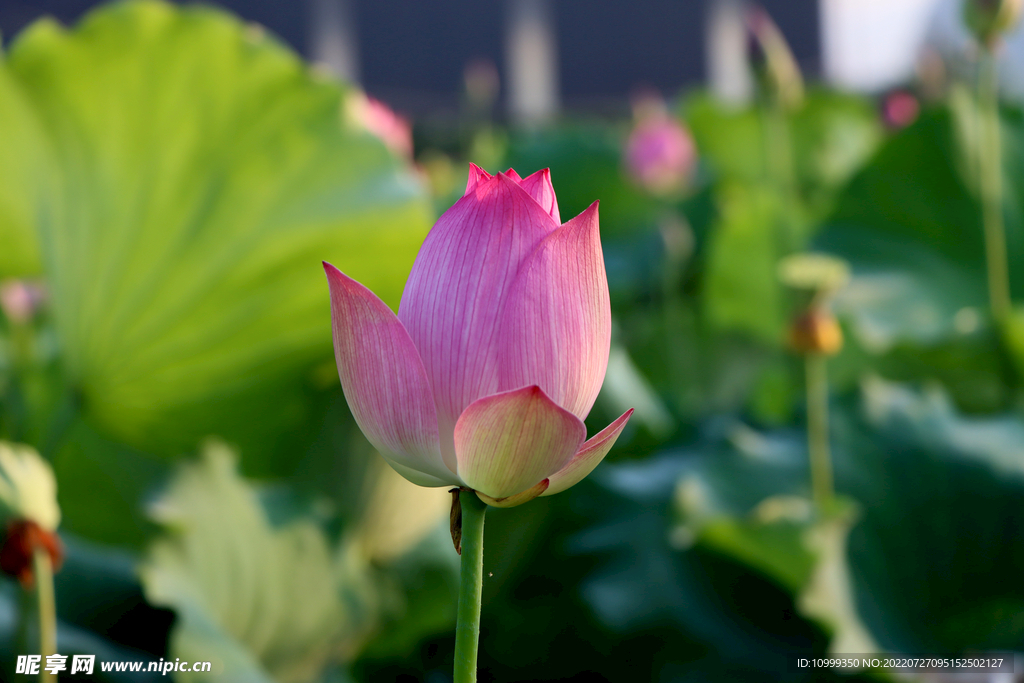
(588, 457)
(477, 175)
(333, 274)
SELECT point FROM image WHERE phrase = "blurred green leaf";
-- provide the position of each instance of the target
(23, 164)
(833, 135)
(102, 485)
(775, 548)
(419, 593)
(943, 476)
(741, 286)
(759, 221)
(262, 603)
(730, 139)
(202, 175)
(928, 566)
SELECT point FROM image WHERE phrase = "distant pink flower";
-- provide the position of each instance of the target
(900, 109)
(498, 350)
(19, 299)
(378, 118)
(660, 154)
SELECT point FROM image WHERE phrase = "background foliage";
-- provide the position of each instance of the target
(171, 179)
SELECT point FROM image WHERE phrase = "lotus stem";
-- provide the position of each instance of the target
(990, 176)
(467, 629)
(817, 430)
(47, 608)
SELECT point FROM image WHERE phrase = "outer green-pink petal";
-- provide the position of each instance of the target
(587, 458)
(457, 289)
(384, 382)
(508, 443)
(556, 328)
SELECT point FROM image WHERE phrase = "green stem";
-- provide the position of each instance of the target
(467, 630)
(817, 430)
(47, 606)
(990, 174)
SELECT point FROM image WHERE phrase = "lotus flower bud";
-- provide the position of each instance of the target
(899, 109)
(660, 153)
(28, 511)
(499, 348)
(379, 119)
(20, 299)
(990, 19)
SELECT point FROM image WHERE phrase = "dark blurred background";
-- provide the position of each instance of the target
(412, 53)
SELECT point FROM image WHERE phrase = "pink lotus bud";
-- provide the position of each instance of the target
(900, 109)
(378, 118)
(498, 350)
(660, 154)
(19, 300)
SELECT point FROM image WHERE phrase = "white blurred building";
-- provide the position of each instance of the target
(873, 45)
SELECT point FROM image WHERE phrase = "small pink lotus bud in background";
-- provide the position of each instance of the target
(660, 153)
(378, 118)
(20, 299)
(899, 109)
(498, 351)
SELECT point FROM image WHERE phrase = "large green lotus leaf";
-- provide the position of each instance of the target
(23, 157)
(930, 562)
(203, 174)
(943, 578)
(653, 570)
(262, 602)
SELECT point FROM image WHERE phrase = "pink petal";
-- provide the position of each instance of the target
(508, 443)
(511, 173)
(385, 383)
(476, 176)
(556, 328)
(460, 280)
(588, 457)
(516, 499)
(540, 188)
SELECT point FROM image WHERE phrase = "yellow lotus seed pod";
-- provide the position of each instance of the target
(816, 331)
